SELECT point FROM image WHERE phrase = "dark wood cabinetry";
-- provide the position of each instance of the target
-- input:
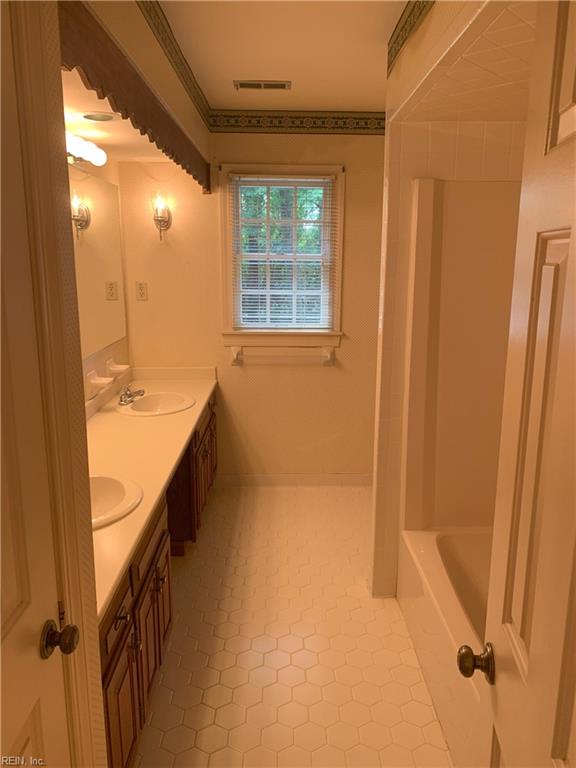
(133, 638)
(186, 496)
(134, 630)
(164, 591)
(181, 505)
(121, 702)
(148, 638)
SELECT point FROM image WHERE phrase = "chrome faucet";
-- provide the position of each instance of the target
(127, 396)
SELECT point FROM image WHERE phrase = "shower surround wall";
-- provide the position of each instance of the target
(278, 423)
(448, 151)
(459, 317)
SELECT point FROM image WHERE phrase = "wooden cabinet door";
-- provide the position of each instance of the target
(194, 497)
(121, 702)
(201, 465)
(164, 591)
(213, 448)
(146, 617)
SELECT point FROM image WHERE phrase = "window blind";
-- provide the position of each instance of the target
(285, 258)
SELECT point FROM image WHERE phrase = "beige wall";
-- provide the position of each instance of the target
(274, 420)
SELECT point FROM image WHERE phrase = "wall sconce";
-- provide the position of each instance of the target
(162, 214)
(80, 215)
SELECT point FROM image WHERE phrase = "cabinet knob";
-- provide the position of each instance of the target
(160, 583)
(67, 640)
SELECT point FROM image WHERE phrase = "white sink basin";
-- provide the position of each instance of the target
(112, 499)
(157, 404)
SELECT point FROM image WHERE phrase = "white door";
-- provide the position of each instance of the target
(34, 716)
(532, 601)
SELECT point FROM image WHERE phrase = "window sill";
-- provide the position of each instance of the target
(282, 347)
(264, 338)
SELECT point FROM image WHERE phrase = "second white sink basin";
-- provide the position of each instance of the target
(157, 404)
(112, 499)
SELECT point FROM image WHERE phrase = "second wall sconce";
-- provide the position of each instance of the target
(162, 214)
(80, 215)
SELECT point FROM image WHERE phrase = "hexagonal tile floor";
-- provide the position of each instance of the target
(278, 655)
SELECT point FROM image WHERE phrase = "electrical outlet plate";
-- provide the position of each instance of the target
(141, 291)
(111, 290)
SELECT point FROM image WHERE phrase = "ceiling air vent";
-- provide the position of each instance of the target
(263, 85)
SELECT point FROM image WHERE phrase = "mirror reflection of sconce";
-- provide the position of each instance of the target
(80, 215)
(162, 214)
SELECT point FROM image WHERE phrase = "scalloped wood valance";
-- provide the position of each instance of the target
(104, 68)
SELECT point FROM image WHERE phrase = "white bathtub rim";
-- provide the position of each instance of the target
(423, 549)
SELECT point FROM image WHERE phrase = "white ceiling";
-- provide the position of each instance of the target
(118, 138)
(333, 52)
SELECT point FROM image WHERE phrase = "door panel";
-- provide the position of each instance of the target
(33, 700)
(532, 608)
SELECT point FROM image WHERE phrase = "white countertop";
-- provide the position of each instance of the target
(145, 450)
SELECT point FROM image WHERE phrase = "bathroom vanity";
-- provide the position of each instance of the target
(173, 458)
(133, 636)
(188, 490)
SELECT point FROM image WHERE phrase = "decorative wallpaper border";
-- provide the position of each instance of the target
(297, 122)
(411, 17)
(158, 23)
(253, 121)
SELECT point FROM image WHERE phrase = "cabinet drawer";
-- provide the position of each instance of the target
(116, 621)
(147, 549)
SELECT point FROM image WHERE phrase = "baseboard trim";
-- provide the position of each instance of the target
(235, 480)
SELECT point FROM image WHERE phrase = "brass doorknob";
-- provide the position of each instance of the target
(469, 662)
(67, 640)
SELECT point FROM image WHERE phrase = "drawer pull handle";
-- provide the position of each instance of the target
(121, 618)
(161, 582)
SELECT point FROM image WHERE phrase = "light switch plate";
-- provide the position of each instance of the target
(141, 291)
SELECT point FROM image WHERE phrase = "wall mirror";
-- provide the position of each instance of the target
(98, 258)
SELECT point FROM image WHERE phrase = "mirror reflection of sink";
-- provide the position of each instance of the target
(157, 404)
(112, 499)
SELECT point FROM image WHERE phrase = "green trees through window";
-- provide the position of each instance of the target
(283, 245)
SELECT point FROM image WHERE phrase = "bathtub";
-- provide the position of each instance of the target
(442, 590)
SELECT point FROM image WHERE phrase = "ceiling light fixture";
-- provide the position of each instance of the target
(80, 149)
(101, 117)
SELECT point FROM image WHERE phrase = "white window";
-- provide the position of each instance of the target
(283, 235)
